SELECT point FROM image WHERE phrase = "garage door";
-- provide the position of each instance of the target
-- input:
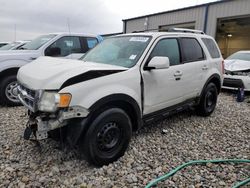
(233, 34)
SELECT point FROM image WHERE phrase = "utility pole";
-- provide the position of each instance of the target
(14, 32)
(68, 25)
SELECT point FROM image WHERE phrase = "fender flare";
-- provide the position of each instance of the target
(123, 101)
(213, 78)
(118, 100)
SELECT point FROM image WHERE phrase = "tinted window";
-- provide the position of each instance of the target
(2, 44)
(212, 48)
(167, 48)
(92, 42)
(64, 46)
(191, 50)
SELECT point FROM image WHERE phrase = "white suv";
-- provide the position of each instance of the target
(123, 83)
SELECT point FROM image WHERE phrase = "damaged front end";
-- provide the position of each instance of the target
(239, 73)
(45, 117)
(237, 79)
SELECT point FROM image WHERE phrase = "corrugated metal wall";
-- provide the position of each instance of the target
(224, 10)
(197, 15)
(191, 15)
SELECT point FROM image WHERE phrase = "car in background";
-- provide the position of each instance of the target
(3, 43)
(13, 45)
(63, 45)
(237, 71)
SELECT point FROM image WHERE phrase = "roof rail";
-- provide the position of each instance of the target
(186, 30)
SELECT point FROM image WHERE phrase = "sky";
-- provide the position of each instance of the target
(27, 19)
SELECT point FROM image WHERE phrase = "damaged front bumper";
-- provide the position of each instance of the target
(40, 123)
(236, 81)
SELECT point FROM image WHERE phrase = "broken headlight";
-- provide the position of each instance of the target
(51, 101)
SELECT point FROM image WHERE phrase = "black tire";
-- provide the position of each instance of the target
(107, 137)
(208, 100)
(8, 91)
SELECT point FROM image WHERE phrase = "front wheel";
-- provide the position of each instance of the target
(8, 91)
(208, 100)
(107, 137)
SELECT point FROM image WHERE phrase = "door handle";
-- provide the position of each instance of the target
(178, 74)
(205, 67)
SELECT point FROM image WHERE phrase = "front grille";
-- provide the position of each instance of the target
(28, 97)
(235, 83)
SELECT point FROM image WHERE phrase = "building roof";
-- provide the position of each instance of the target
(180, 9)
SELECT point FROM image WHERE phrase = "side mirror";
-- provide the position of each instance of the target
(158, 62)
(53, 52)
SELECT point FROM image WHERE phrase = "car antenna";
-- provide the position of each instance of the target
(68, 23)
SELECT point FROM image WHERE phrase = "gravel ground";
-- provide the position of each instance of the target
(225, 134)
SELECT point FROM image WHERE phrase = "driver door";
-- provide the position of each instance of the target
(163, 87)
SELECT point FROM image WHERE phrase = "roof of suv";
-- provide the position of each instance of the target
(158, 34)
(73, 34)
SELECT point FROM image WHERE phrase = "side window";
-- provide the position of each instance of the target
(212, 48)
(191, 50)
(167, 48)
(92, 42)
(63, 47)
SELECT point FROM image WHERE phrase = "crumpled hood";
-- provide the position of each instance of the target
(237, 65)
(27, 55)
(51, 73)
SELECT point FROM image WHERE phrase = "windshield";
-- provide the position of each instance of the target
(37, 43)
(122, 51)
(9, 46)
(240, 56)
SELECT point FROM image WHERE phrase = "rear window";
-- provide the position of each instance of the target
(92, 42)
(191, 50)
(212, 48)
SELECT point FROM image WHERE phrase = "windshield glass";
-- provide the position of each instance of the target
(122, 51)
(37, 43)
(9, 46)
(240, 56)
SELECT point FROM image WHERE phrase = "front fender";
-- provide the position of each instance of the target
(86, 100)
(13, 63)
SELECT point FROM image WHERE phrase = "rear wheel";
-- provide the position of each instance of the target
(8, 91)
(107, 137)
(208, 100)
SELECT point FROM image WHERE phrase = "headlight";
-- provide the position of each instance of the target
(50, 101)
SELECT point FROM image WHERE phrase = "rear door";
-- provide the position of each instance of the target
(194, 62)
(215, 61)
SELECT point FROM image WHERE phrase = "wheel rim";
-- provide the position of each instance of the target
(210, 100)
(109, 137)
(11, 92)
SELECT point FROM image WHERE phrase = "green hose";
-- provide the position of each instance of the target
(242, 183)
(172, 172)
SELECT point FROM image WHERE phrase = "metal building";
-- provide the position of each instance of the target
(228, 21)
